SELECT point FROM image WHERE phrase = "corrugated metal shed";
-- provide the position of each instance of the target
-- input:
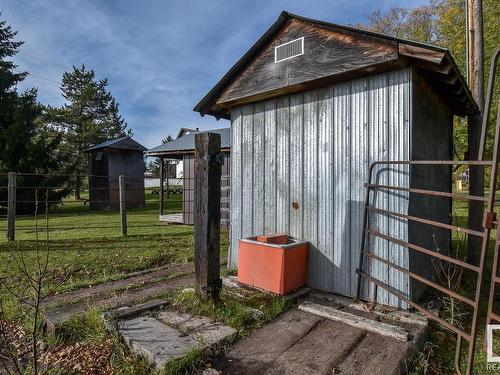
(186, 142)
(317, 149)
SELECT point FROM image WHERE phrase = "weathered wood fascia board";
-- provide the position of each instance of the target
(435, 57)
(385, 66)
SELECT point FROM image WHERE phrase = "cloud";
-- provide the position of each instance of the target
(160, 57)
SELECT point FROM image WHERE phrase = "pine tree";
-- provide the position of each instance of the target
(27, 145)
(90, 115)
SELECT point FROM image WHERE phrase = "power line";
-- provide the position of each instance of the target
(130, 103)
(66, 68)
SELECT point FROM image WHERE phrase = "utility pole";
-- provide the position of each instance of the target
(475, 73)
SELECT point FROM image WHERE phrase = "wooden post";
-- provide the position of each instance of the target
(207, 192)
(162, 174)
(11, 207)
(475, 69)
(168, 182)
(123, 204)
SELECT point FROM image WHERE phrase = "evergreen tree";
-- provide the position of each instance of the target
(27, 145)
(90, 116)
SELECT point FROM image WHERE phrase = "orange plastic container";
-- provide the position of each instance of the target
(278, 268)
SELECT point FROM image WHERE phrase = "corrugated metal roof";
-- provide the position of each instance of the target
(186, 142)
(123, 143)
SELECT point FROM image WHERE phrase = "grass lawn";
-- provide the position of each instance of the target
(86, 247)
(441, 345)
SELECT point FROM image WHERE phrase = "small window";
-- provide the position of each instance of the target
(289, 50)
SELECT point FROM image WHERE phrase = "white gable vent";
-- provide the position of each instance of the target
(289, 50)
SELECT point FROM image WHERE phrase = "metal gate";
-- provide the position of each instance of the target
(368, 256)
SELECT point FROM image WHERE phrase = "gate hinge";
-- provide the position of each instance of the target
(489, 219)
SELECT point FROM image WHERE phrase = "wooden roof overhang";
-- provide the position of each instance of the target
(250, 80)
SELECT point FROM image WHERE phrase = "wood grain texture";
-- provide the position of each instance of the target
(207, 215)
(328, 51)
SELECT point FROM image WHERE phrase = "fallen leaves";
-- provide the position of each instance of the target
(81, 358)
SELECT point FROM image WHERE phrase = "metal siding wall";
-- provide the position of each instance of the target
(378, 150)
(236, 186)
(341, 185)
(270, 168)
(296, 164)
(316, 152)
(358, 169)
(321, 268)
(247, 145)
(399, 142)
(282, 164)
(310, 179)
(258, 168)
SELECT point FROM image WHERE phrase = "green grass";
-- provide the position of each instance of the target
(87, 248)
(442, 341)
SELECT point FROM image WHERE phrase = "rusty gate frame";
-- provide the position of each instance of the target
(489, 222)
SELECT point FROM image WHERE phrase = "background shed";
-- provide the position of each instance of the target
(311, 105)
(182, 148)
(107, 161)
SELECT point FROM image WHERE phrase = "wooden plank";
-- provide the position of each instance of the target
(123, 204)
(207, 215)
(352, 320)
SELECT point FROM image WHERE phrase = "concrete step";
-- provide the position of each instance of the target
(171, 335)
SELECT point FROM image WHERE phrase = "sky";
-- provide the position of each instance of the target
(159, 56)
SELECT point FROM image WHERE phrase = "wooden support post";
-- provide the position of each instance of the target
(207, 193)
(162, 176)
(11, 207)
(123, 204)
(475, 68)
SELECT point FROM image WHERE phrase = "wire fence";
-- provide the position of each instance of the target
(108, 204)
(181, 194)
(72, 203)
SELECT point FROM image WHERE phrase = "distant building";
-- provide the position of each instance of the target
(182, 150)
(109, 160)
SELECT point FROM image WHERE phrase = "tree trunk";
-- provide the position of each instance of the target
(78, 186)
(475, 68)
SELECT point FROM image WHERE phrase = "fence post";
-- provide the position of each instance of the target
(162, 175)
(11, 207)
(207, 192)
(123, 204)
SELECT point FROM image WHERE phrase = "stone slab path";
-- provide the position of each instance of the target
(171, 334)
(115, 294)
